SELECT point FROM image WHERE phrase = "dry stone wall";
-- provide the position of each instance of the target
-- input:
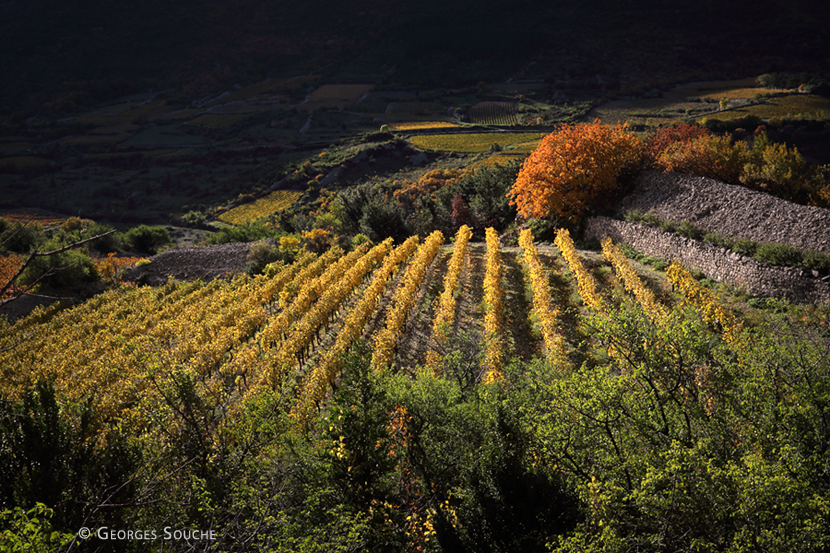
(759, 279)
(729, 210)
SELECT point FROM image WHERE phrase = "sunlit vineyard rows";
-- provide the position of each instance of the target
(471, 142)
(289, 331)
(494, 113)
(195, 370)
(272, 203)
(421, 125)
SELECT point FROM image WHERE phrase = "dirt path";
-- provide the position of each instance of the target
(415, 340)
(520, 339)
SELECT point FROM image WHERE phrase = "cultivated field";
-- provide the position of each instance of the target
(473, 142)
(274, 202)
(494, 113)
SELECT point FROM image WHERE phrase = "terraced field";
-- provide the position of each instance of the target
(475, 142)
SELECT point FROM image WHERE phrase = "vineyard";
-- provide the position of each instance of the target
(294, 326)
(274, 202)
(494, 113)
(474, 142)
(421, 125)
(591, 338)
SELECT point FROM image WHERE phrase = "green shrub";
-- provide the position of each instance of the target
(65, 270)
(542, 229)
(30, 530)
(668, 226)
(360, 239)
(815, 260)
(20, 238)
(651, 219)
(719, 240)
(107, 244)
(778, 254)
(146, 239)
(745, 246)
(194, 218)
(633, 216)
(49, 454)
(264, 253)
(688, 230)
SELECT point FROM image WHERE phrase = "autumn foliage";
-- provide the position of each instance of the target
(573, 169)
(9, 265)
(716, 157)
(664, 137)
(427, 185)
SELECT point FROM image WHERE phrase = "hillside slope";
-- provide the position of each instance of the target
(729, 210)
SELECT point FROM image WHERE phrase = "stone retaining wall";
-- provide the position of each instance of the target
(759, 279)
(729, 210)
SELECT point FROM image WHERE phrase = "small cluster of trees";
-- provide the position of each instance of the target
(578, 168)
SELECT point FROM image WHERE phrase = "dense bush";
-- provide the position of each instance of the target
(777, 169)
(484, 194)
(715, 157)
(146, 239)
(264, 253)
(65, 270)
(574, 169)
(687, 452)
(20, 238)
(662, 138)
(59, 456)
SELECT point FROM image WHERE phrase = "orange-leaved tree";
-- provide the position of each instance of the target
(663, 137)
(716, 157)
(573, 169)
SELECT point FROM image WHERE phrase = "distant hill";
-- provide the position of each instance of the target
(55, 55)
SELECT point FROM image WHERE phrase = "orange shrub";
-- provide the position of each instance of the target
(108, 267)
(317, 240)
(574, 168)
(427, 185)
(657, 142)
(709, 156)
(9, 265)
